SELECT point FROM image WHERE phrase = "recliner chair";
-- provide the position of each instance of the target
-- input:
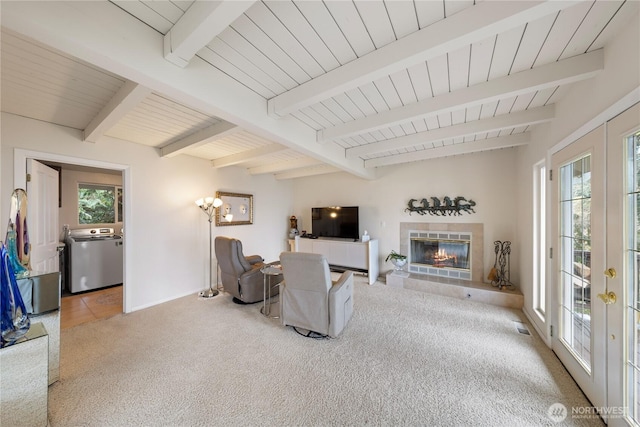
(240, 275)
(309, 299)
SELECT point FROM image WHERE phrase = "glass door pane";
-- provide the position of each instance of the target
(632, 252)
(575, 258)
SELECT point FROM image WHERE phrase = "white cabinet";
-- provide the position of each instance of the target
(302, 245)
(358, 255)
(362, 256)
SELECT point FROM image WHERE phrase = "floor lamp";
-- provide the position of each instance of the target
(208, 206)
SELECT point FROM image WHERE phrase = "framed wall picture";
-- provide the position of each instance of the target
(236, 209)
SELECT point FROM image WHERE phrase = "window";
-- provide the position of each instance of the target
(539, 240)
(99, 204)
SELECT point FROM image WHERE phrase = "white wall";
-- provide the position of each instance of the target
(166, 246)
(487, 178)
(581, 103)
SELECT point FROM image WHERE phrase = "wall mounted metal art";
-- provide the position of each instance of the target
(447, 206)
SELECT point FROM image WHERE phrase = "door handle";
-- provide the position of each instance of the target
(610, 273)
(608, 298)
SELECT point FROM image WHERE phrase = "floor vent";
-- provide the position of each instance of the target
(522, 328)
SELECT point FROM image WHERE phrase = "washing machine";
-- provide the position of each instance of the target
(95, 259)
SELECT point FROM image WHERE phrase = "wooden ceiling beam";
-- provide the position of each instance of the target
(248, 155)
(125, 100)
(304, 162)
(452, 150)
(84, 30)
(478, 22)
(577, 68)
(199, 138)
(497, 123)
(200, 24)
(309, 171)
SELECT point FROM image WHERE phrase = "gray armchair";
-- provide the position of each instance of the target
(309, 299)
(240, 275)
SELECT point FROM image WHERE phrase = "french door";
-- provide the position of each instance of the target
(595, 260)
(579, 338)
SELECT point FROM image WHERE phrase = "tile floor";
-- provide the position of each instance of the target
(90, 306)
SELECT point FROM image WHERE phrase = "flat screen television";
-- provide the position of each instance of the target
(336, 222)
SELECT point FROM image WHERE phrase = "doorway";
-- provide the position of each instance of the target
(20, 161)
(91, 269)
(595, 226)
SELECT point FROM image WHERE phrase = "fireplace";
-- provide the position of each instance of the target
(440, 253)
(446, 250)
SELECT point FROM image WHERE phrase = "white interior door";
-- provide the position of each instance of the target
(42, 216)
(578, 225)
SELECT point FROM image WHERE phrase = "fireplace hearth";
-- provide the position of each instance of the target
(469, 289)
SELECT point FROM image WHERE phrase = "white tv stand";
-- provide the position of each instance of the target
(344, 254)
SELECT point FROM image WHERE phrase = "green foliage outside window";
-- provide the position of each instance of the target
(96, 204)
(582, 206)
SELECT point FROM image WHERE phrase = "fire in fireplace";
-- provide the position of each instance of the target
(440, 253)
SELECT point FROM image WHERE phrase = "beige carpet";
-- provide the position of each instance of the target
(406, 358)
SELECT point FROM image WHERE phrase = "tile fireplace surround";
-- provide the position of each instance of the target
(474, 289)
(477, 240)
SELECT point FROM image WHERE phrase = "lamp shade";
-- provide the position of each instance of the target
(207, 202)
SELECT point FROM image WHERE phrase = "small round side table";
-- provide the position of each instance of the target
(269, 272)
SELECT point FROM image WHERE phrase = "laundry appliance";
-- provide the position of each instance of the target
(95, 259)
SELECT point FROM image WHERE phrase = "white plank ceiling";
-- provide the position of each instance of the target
(375, 83)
